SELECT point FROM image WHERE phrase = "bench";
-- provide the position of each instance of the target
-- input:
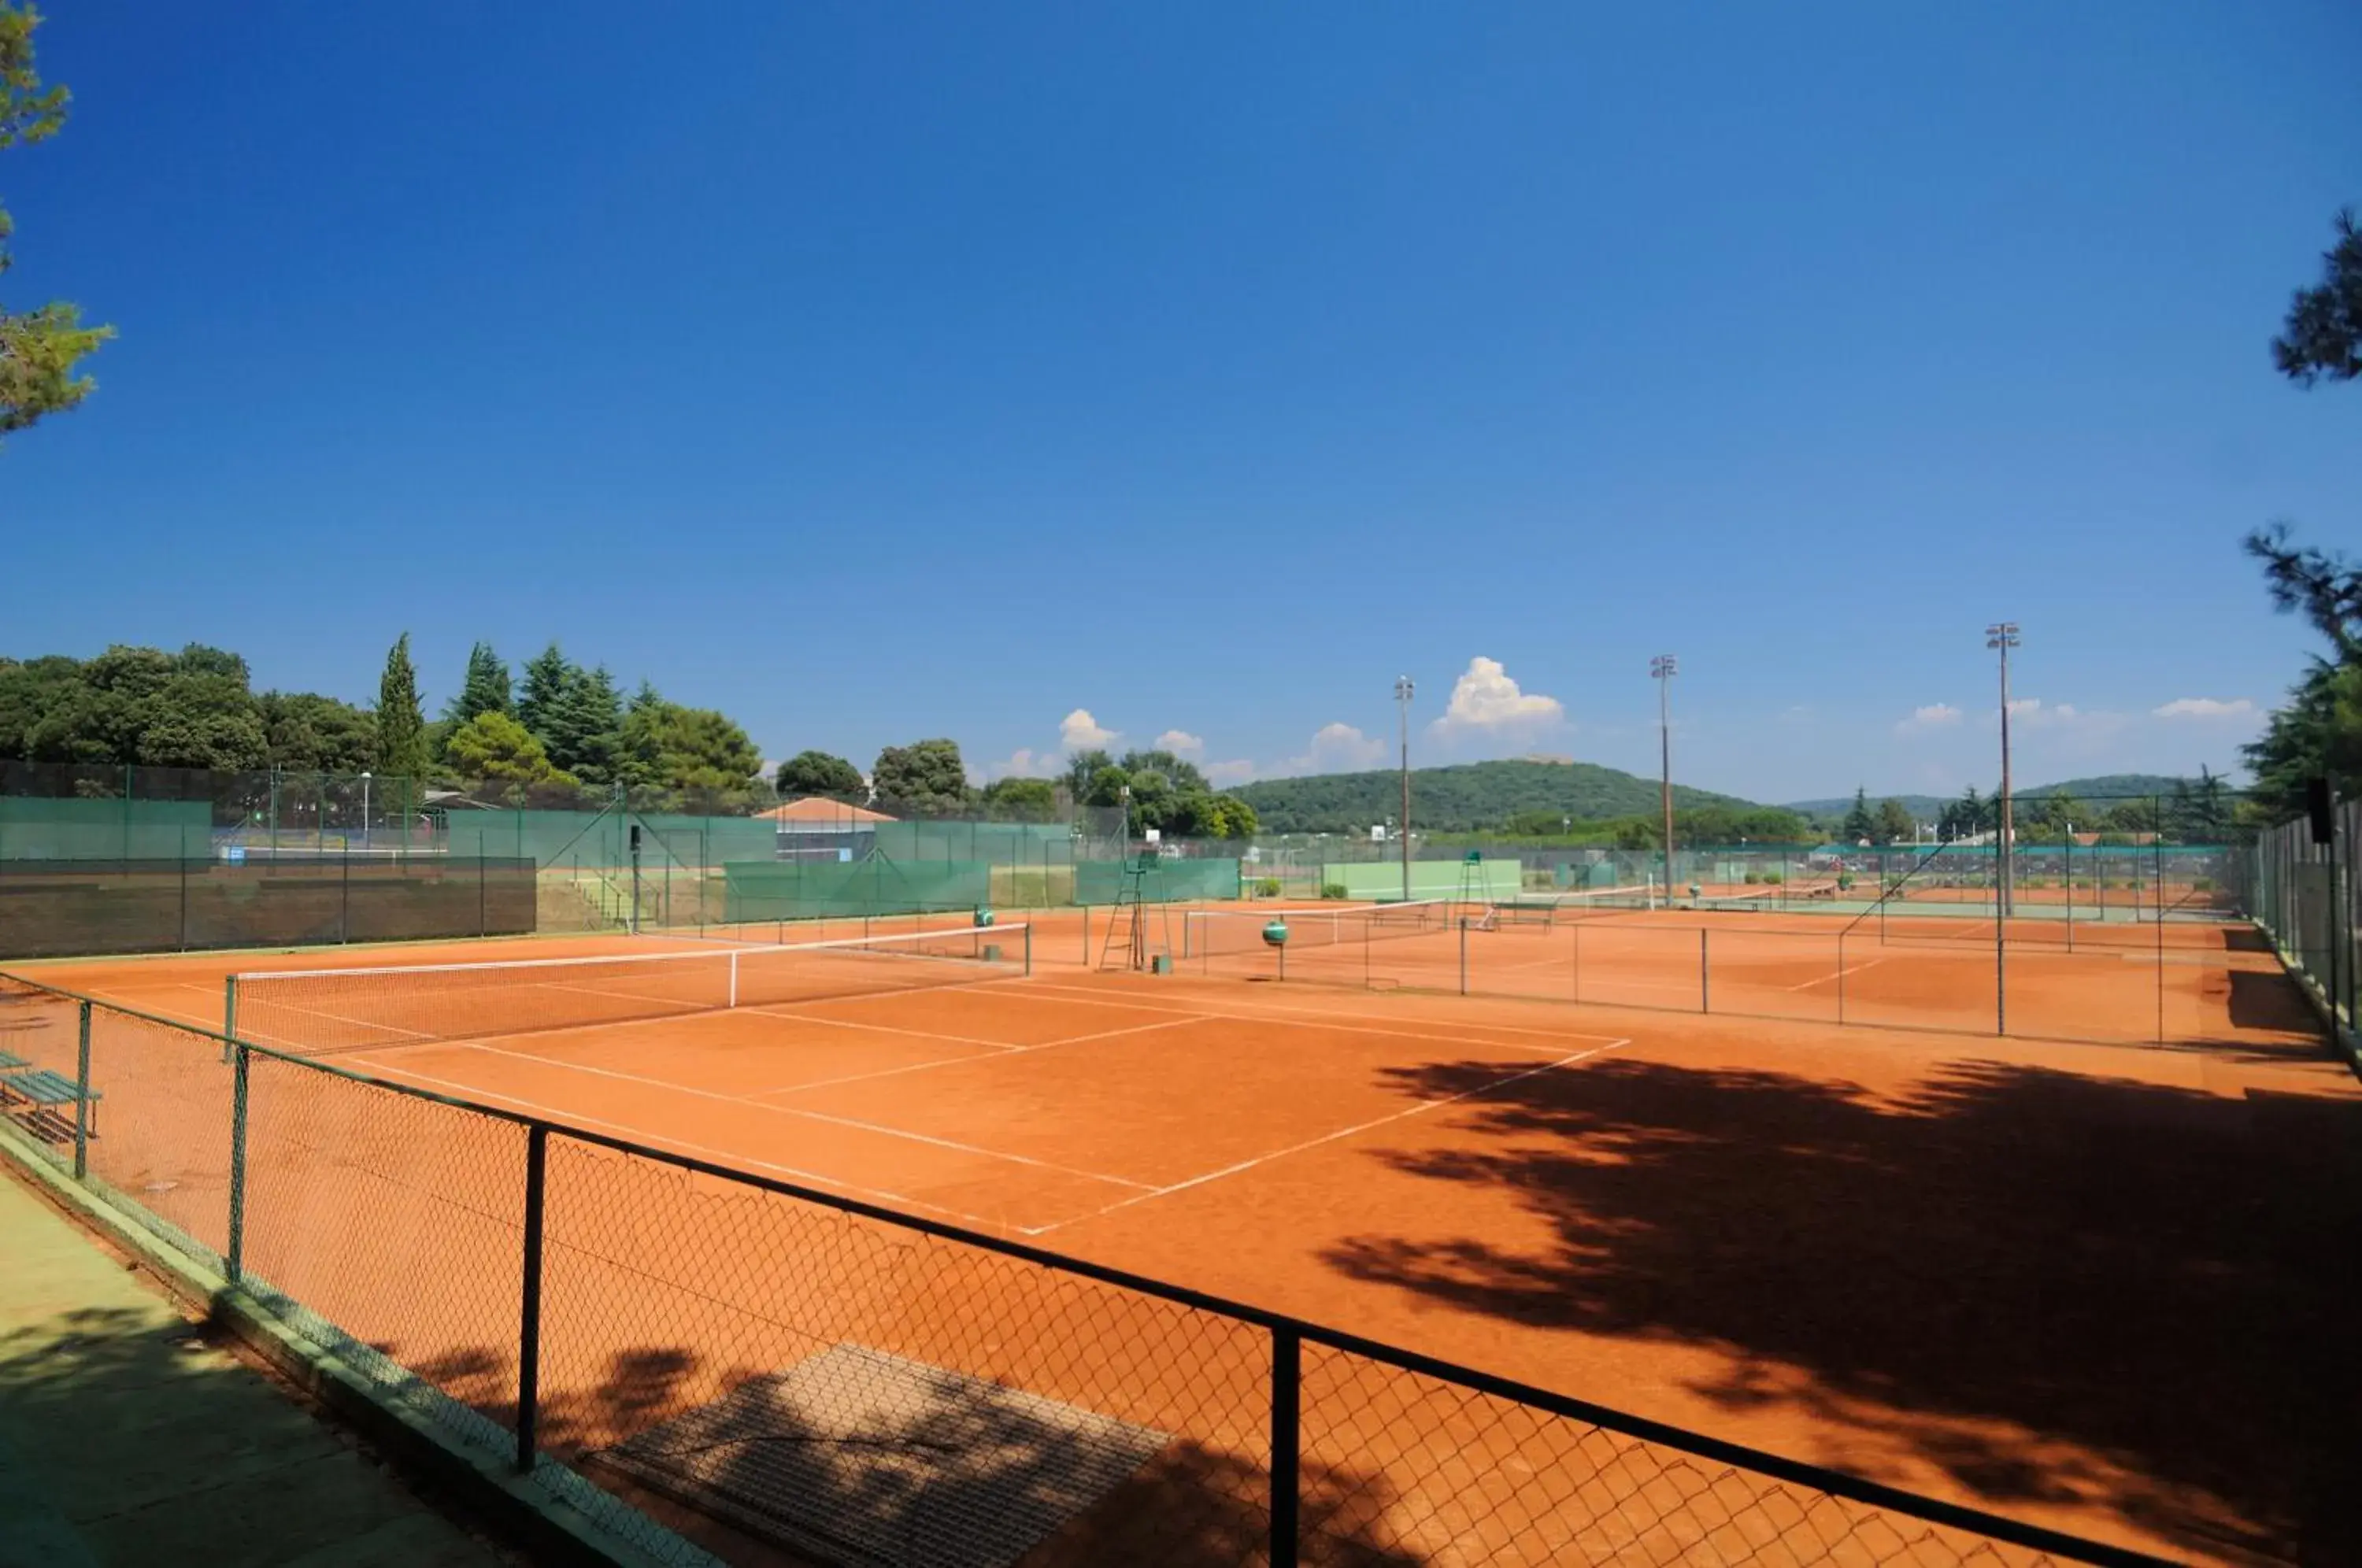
(42, 1089)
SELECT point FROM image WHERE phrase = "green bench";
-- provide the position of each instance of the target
(43, 1090)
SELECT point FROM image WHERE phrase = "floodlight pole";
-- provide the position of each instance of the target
(1402, 700)
(2002, 634)
(1662, 670)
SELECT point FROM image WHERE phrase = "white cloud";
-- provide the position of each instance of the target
(1079, 732)
(2206, 708)
(1487, 701)
(1222, 775)
(1335, 748)
(1181, 743)
(1024, 763)
(1932, 716)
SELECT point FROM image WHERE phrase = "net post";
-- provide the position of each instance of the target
(230, 1013)
(2068, 844)
(1574, 934)
(1703, 1006)
(82, 1091)
(1463, 955)
(733, 976)
(536, 1162)
(1028, 949)
(1287, 1442)
(1840, 980)
(233, 1259)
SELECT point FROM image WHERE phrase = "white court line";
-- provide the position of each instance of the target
(1248, 1165)
(790, 1111)
(1333, 1021)
(726, 1157)
(957, 1061)
(1850, 969)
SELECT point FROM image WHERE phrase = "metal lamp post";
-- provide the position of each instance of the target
(1402, 700)
(2003, 635)
(1662, 670)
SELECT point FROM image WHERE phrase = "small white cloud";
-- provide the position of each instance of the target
(1487, 701)
(1222, 775)
(2031, 705)
(1335, 748)
(1932, 716)
(1079, 732)
(1023, 763)
(2205, 708)
(1181, 743)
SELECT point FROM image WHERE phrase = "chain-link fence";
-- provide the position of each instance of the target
(2304, 898)
(719, 1366)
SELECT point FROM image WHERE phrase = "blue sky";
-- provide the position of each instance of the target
(1023, 374)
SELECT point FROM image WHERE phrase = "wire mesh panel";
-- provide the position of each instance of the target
(859, 1391)
(161, 1122)
(396, 1219)
(40, 1032)
(1405, 1468)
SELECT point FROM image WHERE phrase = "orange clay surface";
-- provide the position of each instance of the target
(2101, 1286)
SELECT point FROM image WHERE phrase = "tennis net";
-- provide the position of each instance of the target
(1207, 933)
(325, 1012)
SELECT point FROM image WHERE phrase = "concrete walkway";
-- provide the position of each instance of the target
(125, 1437)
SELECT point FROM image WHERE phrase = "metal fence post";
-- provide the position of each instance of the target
(1286, 1443)
(81, 1094)
(536, 1161)
(234, 1260)
(1463, 955)
(1029, 947)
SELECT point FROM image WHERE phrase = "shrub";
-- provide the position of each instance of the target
(1754, 878)
(1334, 890)
(2201, 884)
(1773, 879)
(1268, 887)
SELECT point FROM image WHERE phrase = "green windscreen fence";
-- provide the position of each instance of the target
(52, 908)
(602, 840)
(1173, 881)
(77, 829)
(813, 890)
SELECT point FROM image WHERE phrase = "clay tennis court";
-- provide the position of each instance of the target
(2009, 1272)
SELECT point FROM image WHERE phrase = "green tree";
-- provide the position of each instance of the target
(1020, 800)
(1859, 825)
(401, 725)
(487, 688)
(2323, 335)
(311, 733)
(494, 746)
(924, 777)
(1083, 767)
(687, 748)
(1895, 823)
(819, 773)
(549, 676)
(584, 729)
(1106, 786)
(40, 348)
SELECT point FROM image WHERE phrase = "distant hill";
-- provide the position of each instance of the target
(1460, 798)
(1924, 808)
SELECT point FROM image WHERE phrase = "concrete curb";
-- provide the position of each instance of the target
(525, 1506)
